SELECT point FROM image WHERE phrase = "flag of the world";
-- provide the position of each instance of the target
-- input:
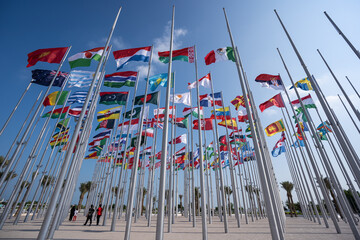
(83, 59)
(119, 79)
(80, 78)
(123, 57)
(78, 97)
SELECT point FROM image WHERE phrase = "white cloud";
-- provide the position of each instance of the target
(143, 70)
(116, 41)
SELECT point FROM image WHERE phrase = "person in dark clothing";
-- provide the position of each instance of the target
(90, 215)
(72, 212)
(98, 214)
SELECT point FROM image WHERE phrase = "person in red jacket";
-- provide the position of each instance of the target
(98, 214)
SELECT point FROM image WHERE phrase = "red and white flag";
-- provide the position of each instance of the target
(180, 139)
(204, 81)
(160, 113)
(206, 124)
(242, 115)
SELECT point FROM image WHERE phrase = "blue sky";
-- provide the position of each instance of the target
(27, 26)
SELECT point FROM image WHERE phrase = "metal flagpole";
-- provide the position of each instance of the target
(171, 169)
(201, 156)
(276, 232)
(136, 158)
(352, 119)
(123, 157)
(207, 180)
(357, 114)
(218, 161)
(57, 189)
(13, 111)
(345, 38)
(353, 86)
(161, 198)
(192, 162)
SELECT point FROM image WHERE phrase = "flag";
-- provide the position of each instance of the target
(221, 54)
(237, 134)
(270, 81)
(204, 81)
(123, 57)
(96, 149)
(98, 142)
(78, 97)
(221, 113)
(134, 114)
(105, 134)
(50, 55)
(279, 146)
(76, 111)
(44, 77)
(134, 140)
(296, 144)
(181, 139)
(147, 151)
(110, 98)
(274, 128)
(80, 78)
(83, 59)
(208, 100)
(307, 101)
(274, 101)
(160, 113)
(194, 111)
(108, 123)
(242, 115)
(322, 136)
(324, 127)
(159, 79)
(150, 98)
(303, 84)
(57, 113)
(238, 101)
(51, 99)
(209, 148)
(59, 142)
(133, 125)
(119, 79)
(181, 122)
(185, 54)
(231, 123)
(181, 98)
(111, 113)
(61, 134)
(93, 155)
(206, 124)
(149, 132)
(62, 124)
(181, 152)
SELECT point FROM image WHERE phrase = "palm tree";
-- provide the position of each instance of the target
(84, 188)
(197, 197)
(288, 186)
(181, 206)
(228, 192)
(142, 200)
(329, 187)
(47, 180)
(2, 159)
(24, 184)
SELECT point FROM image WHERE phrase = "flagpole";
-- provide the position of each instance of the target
(136, 158)
(357, 114)
(192, 161)
(161, 198)
(217, 159)
(352, 119)
(15, 108)
(312, 161)
(276, 232)
(207, 178)
(57, 189)
(342, 34)
(353, 86)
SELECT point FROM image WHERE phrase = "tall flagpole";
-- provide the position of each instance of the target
(347, 150)
(353, 86)
(217, 159)
(201, 156)
(276, 232)
(192, 163)
(13, 111)
(341, 88)
(136, 157)
(161, 198)
(352, 119)
(57, 189)
(357, 53)
(171, 169)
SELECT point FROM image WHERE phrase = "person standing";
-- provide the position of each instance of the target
(90, 215)
(98, 214)
(72, 212)
(75, 215)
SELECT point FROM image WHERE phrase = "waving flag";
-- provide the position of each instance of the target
(194, 111)
(181, 139)
(110, 98)
(324, 127)
(51, 99)
(108, 123)
(119, 79)
(181, 98)
(76, 111)
(230, 123)
(238, 101)
(274, 101)
(242, 115)
(135, 113)
(181, 122)
(111, 113)
(274, 128)
(303, 84)
(270, 81)
(208, 100)
(133, 125)
(62, 125)
(83, 59)
(57, 113)
(221, 54)
(221, 113)
(50, 55)
(123, 57)
(159, 79)
(307, 101)
(150, 98)
(44, 77)
(160, 113)
(181, 152)
(206, 124)
(279, 146)
(204, 82)
(78, 97)
(105, 134)
(80, 78)
(185, 54)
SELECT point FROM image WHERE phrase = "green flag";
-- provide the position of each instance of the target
(135, 113)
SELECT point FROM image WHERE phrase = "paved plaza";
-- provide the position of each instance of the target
(296, 228)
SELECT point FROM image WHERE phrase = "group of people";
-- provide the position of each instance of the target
(74, 212)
